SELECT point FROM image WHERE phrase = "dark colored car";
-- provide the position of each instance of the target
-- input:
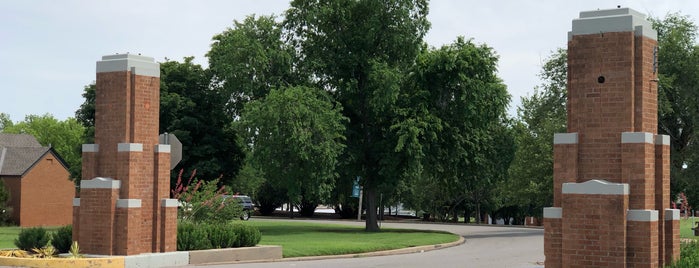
(246, 202)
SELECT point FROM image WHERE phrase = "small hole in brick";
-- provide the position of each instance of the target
(600, 79)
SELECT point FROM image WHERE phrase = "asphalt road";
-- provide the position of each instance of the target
(485, 246)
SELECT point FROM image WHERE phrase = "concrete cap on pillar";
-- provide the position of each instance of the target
(137, 64)
(612, 20)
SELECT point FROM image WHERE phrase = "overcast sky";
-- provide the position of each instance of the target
(48, 49)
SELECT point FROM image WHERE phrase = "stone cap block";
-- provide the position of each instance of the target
(596, 187)
(642, 215)
(128, 203)
(137, 64)
(565, 138)
(612, 20)
(100, 183)
(162, 148)
(130, 147)
(672, 214)
(91, 148)
(553, 213)
(168, 203)
(637, 137)
(662, 140)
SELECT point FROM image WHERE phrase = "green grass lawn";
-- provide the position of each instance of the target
(312, 239)
(8, 235)
(686, 228)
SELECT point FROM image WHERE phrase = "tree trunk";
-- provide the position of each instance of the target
(478, 213)
(371, 223)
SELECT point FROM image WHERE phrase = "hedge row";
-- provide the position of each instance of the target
(197, 236)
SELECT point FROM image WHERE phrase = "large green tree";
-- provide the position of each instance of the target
(359, 51)
(467, 147)
(678, 113)
(529, 186)
(64, 136)
(250, 59)
(295, 136)
(193, 109)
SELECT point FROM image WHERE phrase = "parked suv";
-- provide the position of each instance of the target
(245, 202)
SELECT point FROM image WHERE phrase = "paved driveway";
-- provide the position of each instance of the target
(485, 246)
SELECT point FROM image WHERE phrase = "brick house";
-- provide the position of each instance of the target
(41, 192)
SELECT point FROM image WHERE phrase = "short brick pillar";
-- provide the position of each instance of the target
(611, 169)
(124, 206)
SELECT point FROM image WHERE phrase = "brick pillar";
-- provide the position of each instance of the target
(642, 238)
(97, 213)
(594, 224)
(638, 168)
(125, 219)
(565, 162)
(612, 144)
(553, 243)
(168, 225)
(128, 227)
(672, 235)
(76, 218)
(662, 190)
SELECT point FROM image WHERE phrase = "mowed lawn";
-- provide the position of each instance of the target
(300, 239)
(313, 239)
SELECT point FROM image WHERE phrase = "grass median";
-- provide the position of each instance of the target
(300, 239)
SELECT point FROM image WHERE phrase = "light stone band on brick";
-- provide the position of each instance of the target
(128, 203)
(637, 137)
(642, 215)
(612, 20)
(672, 214)
(565, 138)
(162, 148)
(139, 65)
(130, 147)
(91, 148)
(596, 187)
(100, 183)
(76, 202)
(662, 140)
(168, 203)
(553, 213)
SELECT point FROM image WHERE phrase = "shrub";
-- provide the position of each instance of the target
(222, 235)
(62, 239)
(30, 238)
(269, 198)
(192, 236)
(689, 256)
(204, 201)
(248, 236)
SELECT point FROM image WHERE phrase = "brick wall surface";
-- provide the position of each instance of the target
(553, 243)
(565, 168)
(47, 194)
(594, 230)
(638, 170)
(672, 240)
(96, 232)
(600, 112)
(642, 244)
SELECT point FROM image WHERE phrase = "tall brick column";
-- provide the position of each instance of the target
(611, 169)
(123, 207)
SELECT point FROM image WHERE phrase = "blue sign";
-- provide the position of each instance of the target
(355, 188)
